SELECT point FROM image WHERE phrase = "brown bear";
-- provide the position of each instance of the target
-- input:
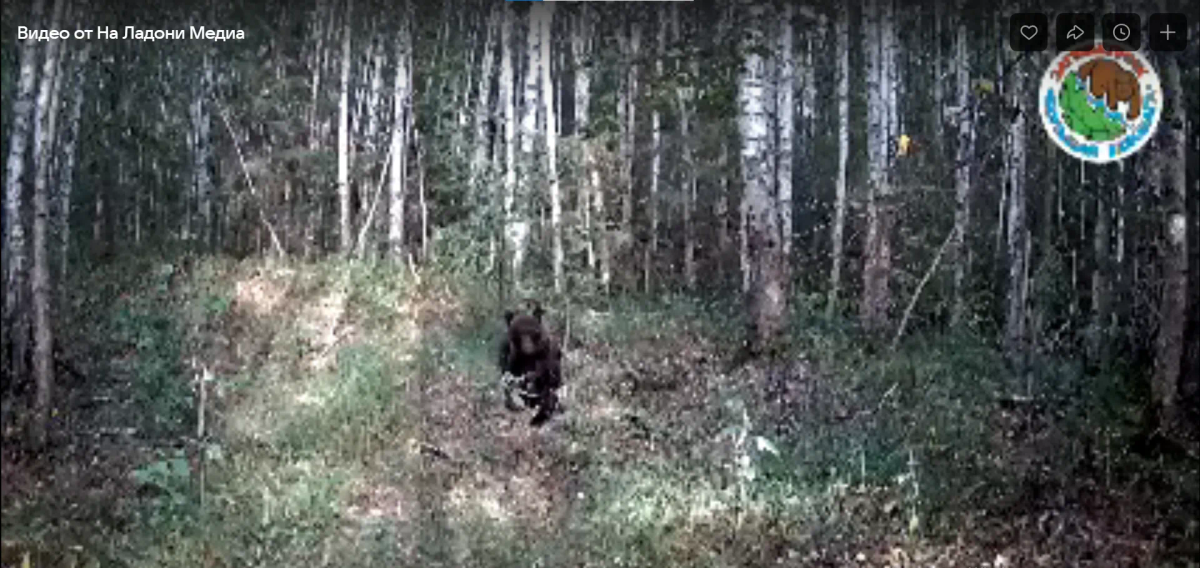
(533, 359)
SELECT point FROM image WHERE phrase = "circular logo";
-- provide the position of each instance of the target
(1100, 105)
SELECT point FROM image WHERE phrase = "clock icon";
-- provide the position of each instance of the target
(1120, 32)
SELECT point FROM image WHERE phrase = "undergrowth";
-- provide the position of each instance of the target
(354, 419)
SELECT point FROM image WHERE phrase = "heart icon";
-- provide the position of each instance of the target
(1029, 32)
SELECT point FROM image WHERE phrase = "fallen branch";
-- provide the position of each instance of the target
(920, 286)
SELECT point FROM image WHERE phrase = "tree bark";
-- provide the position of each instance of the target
(45, 128)
(69, 155)
(507, 95)
(1101, 272)
(581, 42)
(15, 324)
(629, 132)
(963, 159)
(398, 176)
(1173, 307)
(651, 250)
(843, 102)
(345, 233)
(876, 298)
(684, 95)
(1014, 334)
(483, 108)
(784, 96)
(767, 298)
(545, 16)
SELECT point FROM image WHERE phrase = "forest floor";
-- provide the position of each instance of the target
(352, 416)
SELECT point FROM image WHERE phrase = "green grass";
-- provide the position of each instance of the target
(355, 420)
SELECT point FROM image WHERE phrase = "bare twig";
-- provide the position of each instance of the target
(250, 182)
(912, 302)
(362, 233)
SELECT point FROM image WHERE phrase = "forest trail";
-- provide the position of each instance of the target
(355, 419)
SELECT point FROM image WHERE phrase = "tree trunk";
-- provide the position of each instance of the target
(784, 96)
(345, 236)
(767, 298)
(651, 251)
(1101, 286)
(939, 78)
(507, 94)
(721, 209)
(580, 47)
(483, 109)
(684, 95)
(876, 299)
(316, 62)
(202, 157)
(545, 17)
(1173, 308)
(397, 178)
(43, 150)
(69, 155)
(963, 159)
(374, 95)
(520, 212)
(1014, 334)
(843, 102)
(15, 324)
(629, 134)
(529, 99)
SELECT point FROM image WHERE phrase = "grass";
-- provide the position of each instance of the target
(353, 419)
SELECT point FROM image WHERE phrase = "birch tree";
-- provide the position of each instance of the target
(343, 150)
(16, 341)
(45, 126)
(589, 182)
(70, 144)
(1173, 307)
(684, 96)
(483, 109)
(397, 184)
(876, 298)
(839, 212)
(627, 116)
(767, 297)
(544, 12)
(651, 251)
(507, 93)
(1014, 331)
(202, 151)
(964, 156)
(784, 97)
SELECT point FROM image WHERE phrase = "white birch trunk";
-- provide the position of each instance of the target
(545, 16)
(397, 179)
(963, 159)
(843, 102)
(766, 299)
(784, 93)
(45, 126)
(343, 174)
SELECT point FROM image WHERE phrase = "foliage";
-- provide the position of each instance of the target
(145, 325)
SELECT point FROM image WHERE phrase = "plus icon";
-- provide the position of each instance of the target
(1168, 32)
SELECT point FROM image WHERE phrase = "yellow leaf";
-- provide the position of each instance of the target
(984, 86)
